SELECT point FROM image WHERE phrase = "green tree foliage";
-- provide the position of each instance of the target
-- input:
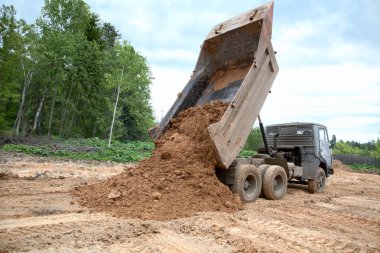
(71, 63)
(134, 113)
(376, 152)
(371, 148)
(255, 140)
(15, 42)
(108, 36)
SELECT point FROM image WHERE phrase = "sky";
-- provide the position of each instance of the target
(328, 53)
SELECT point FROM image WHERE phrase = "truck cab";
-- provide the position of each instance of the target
(306, 145)
(293, 153)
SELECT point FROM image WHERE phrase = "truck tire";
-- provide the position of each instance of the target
(262, 169)
(247, 183)
(275, 182)
(318, 184)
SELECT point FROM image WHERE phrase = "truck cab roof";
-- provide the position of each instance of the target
(296, 124)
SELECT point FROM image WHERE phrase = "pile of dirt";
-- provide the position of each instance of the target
(178, 180)
(338, 165)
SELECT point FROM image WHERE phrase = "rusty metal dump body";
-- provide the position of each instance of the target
(237, 65)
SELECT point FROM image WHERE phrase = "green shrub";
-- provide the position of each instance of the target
(25, 149)
(364, 167)
(246, 153)
(88, 149)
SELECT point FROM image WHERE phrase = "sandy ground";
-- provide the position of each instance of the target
(37, 214)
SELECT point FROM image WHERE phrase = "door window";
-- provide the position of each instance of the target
(323, 136)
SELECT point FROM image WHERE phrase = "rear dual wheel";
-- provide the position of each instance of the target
(250, 181)
(247, 183)
(275, 182)
(262, 169)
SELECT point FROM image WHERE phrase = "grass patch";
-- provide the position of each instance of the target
(364, 167)
(92, 149)
(88, 149)
(246, 153)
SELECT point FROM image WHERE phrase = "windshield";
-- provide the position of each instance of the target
(290, 130)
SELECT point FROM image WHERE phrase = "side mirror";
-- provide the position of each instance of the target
(333, 141)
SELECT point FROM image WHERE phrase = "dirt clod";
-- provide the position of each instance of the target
(228, 204)
(166, 155)
(156, 195)
(182, 166)
(114, 194)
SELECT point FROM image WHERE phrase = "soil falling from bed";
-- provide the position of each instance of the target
(178, 180)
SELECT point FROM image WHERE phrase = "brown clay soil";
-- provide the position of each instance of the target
(38, 214)
(177, 181)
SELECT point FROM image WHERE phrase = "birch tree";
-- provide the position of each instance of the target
(27, 79)
(115, 108)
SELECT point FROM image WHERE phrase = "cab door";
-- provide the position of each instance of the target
(324, 147)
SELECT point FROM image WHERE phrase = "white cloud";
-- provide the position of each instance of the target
(326, 75)
(343, 97)
(331, 35)
(323, 78)
(168, 82)
(163, 24)
(163, 54)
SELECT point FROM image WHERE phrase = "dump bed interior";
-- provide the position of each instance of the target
(236, 65)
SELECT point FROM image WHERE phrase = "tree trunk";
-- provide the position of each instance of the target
(95, 128)
(27, 80)
(64, 112)
(62, 121)
(14, 132)
(114, 110)
(70, 124)
(52, 106)
(37, 118)
(28, 107)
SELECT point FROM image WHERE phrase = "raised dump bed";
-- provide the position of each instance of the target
(237, 65)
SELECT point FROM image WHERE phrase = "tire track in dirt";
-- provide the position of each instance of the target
(97, 232)
(50, 220)
(168, 240)
(75, 231)
(312, 214)
(359, 232)
(39, 216)
(281, 234)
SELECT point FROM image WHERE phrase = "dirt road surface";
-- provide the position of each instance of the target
(37, 214)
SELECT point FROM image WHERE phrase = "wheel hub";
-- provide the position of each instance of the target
(278, 183)
(249, 185)
(320, 181)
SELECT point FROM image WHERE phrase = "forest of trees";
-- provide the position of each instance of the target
(65, 75)
(371, 148)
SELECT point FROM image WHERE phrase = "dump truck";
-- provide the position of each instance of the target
(305, 147)
(237, 65)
